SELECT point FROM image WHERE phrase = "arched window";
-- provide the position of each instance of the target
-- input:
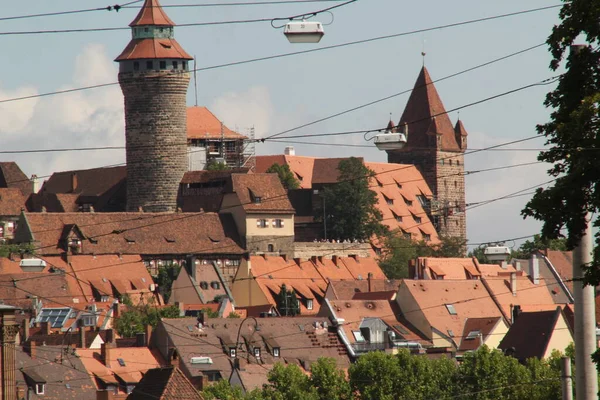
(270, 248)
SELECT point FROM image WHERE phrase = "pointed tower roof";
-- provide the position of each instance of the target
(152, 14)
(423, 104)
(390, 126)
(459, 129)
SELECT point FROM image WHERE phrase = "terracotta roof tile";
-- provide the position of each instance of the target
(203, 124)
(423, 104)
(53, 202)
(562, 261)
(346, 290)
(147, 233)
(12, 201)
(447, 268)
(153, 48)
(152, 13)
(483, 325)
(267, 187)
(212, 177)
(86, 182)
(165, 384)
(11, 176)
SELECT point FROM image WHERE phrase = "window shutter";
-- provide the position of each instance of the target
(282, 223)
(258, 223)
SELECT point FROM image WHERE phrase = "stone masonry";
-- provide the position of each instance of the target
(155, 131)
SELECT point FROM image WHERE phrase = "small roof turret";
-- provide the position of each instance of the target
(459, 129)
(152, 13)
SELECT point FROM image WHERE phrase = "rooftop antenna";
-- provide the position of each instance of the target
(195, 83)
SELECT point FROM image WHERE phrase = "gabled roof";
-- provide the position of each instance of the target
(203, 124)
(12, 201)
(152, 13)
(530, 334)
(483, 326)
(261, 193)
(86, 182)
(165, 384)
(347, 289)
(562, 261)
(423, 104)
(447, 268)
(135, 233)
(11, 176)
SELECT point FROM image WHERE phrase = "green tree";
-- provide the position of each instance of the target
(329, 381)
(572, 131)
(401, 250)
(538, 243)
(286, 176)
(17, 249)
(349, 206)
(136, 318)
(375, 376)
(214, 165)
(422, 378)
(288, 383)
(233, 314)
(222, 390)
(166, 276)
(287, 303)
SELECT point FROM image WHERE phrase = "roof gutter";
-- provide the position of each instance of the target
(496, 302)
(340, 330)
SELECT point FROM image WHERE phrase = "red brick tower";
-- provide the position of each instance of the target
(437, 149)
(154, 78)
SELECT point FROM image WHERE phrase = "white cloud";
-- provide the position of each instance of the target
(90, 118)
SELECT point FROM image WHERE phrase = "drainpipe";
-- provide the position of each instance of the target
(340, 330)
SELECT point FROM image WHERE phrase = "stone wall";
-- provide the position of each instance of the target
(306, 250)
(156, 137)
(260, 244)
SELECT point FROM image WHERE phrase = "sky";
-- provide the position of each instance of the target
(280, 94)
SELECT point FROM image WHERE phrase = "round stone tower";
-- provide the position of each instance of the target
(154, 78)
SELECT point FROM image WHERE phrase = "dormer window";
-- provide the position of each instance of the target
(257, 352)
(309, 304)
(276, 351)
(232, 352)
(257, 199)
(40, 388)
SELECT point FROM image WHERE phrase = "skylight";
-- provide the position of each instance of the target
(55, 316)
(451, 309)
(358, 337)
(121, 362)
(473, 334)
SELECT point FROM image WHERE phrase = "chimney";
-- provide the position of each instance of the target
(45, 328)
(140, 339)
(82, 337)
(534, 269)
(105, 353)
(369, 278)
(105, 394)
(73, 182)
(517, 265)
(516, 311)
(513, 283)
(190, 263)
(32, 349)
(20, 392)
(504, 265)
(25, 330)
(34, 183)
(290, 151)
(110, 336)
(148, 335)
(116, 310)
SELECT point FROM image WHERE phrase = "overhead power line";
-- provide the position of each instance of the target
(115, 7)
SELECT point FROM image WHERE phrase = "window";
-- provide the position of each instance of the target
(389, 202)
(215, 285)
(257, 200)
(146, 30)
(427, 237)
(278, 223)
(455, 184)
(450, 333)
(270, 248)
(175, 65)
(457, 162)
(309, 304)
(257, 352)
(104, 298)
(121, 362)
(184, 65)
(473, 334)
(409, 203)
(417, 220)
(149, 64)
(398, 218)
(89, 320)
(163, 64)
(232, 352)
(358, 337)
(442, 161)
(136, 65)
(450, 162)
(275, 351)
(451, 309)
(261, 223)
(203, 285)
(40, 388)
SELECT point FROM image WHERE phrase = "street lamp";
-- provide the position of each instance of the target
(304, 31)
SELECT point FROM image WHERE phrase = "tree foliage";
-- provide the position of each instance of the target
(400, 251)
(214, 165)
(166, 276)
(17, 249)
(349, 207)
(329, 381)
(572, 131)
(538, 243)
(286, 176)
(288, 304)
(136, 318)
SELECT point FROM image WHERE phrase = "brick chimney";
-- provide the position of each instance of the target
(513, 283)
(105, 353)
(110, 336)
(81, 337)
(31, 346)
(45, 328)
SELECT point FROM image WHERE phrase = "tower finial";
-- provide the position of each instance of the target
(423, 53)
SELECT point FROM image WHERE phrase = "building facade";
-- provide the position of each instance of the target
(437, 149)
(154, 78)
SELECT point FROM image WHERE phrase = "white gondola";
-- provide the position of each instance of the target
(497, 253)
(390, 141)
(304, 31)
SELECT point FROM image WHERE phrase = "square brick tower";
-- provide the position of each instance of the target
(154, 78)
(437, 149)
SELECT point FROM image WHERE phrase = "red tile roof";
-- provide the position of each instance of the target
(562, 261)
(133, 233)
(153, 48)
(165, 384)
(347, 289)
(268, 187)
(87, 182)
(12, 201)
(152, 13)
(203, 124)
(459, 128)
(423, 105)
(483, 325)
(11, 176)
